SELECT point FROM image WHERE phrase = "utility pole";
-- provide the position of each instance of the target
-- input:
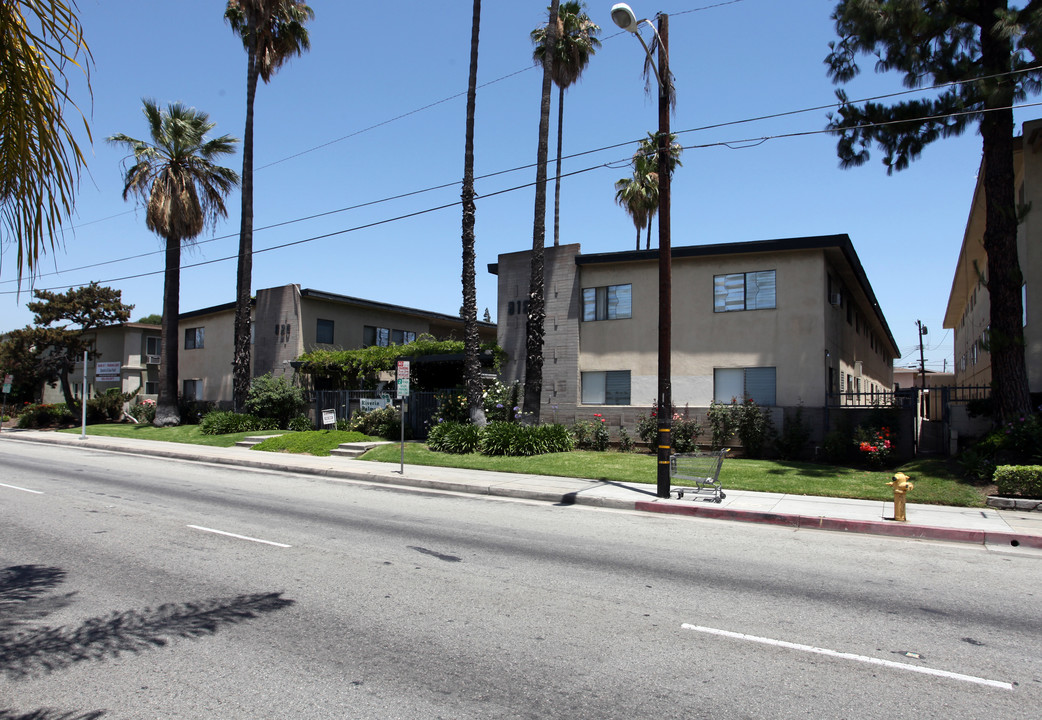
(922, 368)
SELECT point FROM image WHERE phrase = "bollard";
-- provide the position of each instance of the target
(901, 487)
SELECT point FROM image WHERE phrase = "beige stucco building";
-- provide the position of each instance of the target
(969, 309)
(788, 323)
(289, 321)
(136, 348)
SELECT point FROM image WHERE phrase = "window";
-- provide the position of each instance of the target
(385, 336)
(192, 389)
(612, 302)
(324, 331)
(744, 291)
(151, 387)
(153, 345)
(606, 388)
(401, 337)
(756, 384)
(193, 338)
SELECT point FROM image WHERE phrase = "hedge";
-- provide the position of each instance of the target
(1023, 480)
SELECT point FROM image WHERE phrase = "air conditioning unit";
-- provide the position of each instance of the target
(151, 359)
(835, 299)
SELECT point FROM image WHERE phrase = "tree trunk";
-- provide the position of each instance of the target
(471, 341)
(536, 309)
(557, 178)
(1008, 368)
(244, 273)
(167, 412)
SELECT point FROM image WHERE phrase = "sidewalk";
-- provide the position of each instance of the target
(993, 527)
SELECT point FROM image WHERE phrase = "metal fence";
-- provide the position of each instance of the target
(422, 407)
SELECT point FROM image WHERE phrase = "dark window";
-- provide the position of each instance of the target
(324, 331)
(153, 345)
(193, 338)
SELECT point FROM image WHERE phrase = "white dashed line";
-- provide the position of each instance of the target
(850, 656)
(239, 537)
(15, 487)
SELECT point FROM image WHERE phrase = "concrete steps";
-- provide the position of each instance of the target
(353, 450)
(248, 442)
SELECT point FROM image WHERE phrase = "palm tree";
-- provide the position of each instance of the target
(272, 32)
(40, 160)
(175, 176)
(471, 340)
(645, 173)
(534, 329)
(638, 194)
(574, 43)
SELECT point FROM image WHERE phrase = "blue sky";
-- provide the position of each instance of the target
(376, 110)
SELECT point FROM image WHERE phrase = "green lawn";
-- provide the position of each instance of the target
(935, 480)
(935, 483)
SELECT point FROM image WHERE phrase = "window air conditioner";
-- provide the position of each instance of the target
(151, 359)
(835, 299)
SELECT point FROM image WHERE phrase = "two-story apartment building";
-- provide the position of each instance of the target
(133, 347)
(785, 322)
(968, 313)
(289, 321)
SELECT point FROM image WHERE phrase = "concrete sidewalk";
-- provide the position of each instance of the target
(997, 528)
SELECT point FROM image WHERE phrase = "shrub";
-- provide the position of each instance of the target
(625, 441)
(223, 422)
(685, 434)
(754, 427)
(791, 443)
(45, 415)
(1023, 480)
(873, 445)
(144, 411)
(976, 467)
(647, 427)
(591, 435)
(723, 422)
(193, 411)
(554, 437)
(498, 437)
(385, 422)
(301, 423)
(838, 447)
(454, 437)
(273, 397)
(107, 407)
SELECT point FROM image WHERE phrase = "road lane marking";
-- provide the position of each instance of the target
(15, 487)
(240, 537)
(850, 656)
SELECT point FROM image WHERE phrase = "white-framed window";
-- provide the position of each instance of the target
(610, 387)
(192, 389)
(153, 345)
(744, 291)
(758, 384)
(194, 338)
(610, 302)
(382, 337)
(324, 331)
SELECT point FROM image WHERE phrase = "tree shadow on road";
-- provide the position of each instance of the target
(48, 714)
(28, 650)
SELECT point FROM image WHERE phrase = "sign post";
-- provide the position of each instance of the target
(403, 394)
(83, 400)
(8, 379)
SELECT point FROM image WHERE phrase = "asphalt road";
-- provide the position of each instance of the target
(133, 587)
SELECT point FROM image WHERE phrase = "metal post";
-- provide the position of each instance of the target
(83, 400)
(665, 269)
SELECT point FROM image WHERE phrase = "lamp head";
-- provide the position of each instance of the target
(623, 16)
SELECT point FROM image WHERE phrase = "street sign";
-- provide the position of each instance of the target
(403, 369)
(8, 379)
(403, 387)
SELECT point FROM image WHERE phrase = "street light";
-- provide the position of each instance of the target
(623, 16)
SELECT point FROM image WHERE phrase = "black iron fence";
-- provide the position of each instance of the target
(422, 407)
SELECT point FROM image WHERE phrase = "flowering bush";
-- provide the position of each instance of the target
(591, 434)
(874, 445)
(144, 411)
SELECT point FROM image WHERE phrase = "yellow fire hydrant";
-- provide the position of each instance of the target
(901, 487)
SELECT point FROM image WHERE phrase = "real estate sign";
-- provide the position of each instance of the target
(107, 372)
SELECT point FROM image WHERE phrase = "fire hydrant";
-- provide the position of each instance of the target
(901, 487)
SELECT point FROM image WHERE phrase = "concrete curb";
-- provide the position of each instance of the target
(870, 527)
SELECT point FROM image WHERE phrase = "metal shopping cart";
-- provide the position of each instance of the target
(703, 469)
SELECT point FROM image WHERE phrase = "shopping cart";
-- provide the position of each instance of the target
(702, 469)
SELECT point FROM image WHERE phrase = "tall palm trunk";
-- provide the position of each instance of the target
(471, 341)
(167, 412)
(536, 306)
(244, 272)
(557, 180)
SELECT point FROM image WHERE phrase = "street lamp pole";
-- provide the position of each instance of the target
(623, 16)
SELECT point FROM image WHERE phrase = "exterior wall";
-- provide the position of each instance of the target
(800, 337)
(969, 306)
(212, 363)
(279, 331)
(125, 344)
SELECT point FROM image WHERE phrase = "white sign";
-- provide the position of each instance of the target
(403, 370)
(107, 372)
(370, 404)
(329, 417)
(403, 387)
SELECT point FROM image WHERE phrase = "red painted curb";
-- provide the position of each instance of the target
(871, 527)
